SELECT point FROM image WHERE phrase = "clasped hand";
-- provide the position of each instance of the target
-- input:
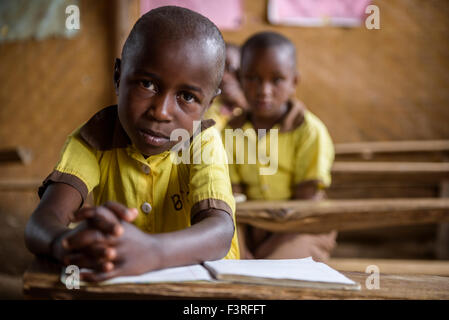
(106, 243)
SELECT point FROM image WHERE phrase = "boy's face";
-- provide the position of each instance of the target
(163, 87)
(268, 78)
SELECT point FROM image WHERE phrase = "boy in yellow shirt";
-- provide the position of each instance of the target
(151, 211)
(300, 149)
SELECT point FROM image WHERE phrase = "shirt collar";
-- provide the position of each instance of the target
(289, 122)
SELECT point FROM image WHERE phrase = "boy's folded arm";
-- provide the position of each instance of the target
(51, 218)
(308, 190)
(208, 238)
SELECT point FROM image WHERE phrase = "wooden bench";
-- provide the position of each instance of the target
(425, 150)
(355, 180)
(323, 216)
(42, 281)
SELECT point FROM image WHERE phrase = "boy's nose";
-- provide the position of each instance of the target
(161, 108)
(265, 89)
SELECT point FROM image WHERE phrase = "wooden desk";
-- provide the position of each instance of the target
(42, 281)
(426, 150)
(323, 216)
(355, 180)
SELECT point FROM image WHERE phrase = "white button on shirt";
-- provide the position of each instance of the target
(146, 207)
(146, 169)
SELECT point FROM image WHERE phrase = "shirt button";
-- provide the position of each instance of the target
(265, 187)
(146, 169)
(146, 207)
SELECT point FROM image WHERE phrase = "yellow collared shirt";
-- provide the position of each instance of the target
(304, 153)
(166, 194)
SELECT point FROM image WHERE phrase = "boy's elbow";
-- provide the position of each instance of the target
(228, 229)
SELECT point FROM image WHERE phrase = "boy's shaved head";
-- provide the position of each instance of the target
(264, 40)
(172, 24)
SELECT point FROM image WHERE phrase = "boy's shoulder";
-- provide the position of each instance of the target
(103, 130)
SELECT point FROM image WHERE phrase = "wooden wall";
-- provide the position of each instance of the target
(373, 85)
(388, 84)
(366, 85)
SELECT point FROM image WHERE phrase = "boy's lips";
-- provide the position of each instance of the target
(263, 104)
(153, 138)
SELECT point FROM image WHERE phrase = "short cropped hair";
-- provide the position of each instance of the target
(268, 39)
(172, 23)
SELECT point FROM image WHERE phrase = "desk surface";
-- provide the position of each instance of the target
(323, 216)
(42, 281)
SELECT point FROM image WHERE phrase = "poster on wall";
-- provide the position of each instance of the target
(227, 15)
(317, 13)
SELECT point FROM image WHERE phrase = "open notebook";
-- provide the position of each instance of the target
(289, 272)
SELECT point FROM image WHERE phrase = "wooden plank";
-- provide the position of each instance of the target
(20, 184)
(427, 150)
(15, 155)
(392, 266)
(356, 180)
(323, 216)
(394, 173)
(41, 281)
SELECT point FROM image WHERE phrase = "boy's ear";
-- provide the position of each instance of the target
(296, 78)
(216, 94)
(117, 70)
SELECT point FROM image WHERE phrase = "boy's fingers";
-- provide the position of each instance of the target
(105, 220)
(83, 261)
(102, 252)
(84, 213)
(122, 211)
(83, 239)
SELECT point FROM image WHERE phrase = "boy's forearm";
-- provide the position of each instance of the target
(41, 231)
(51, 218)
(208, 239)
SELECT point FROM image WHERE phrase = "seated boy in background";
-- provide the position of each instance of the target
(150, 212)
(304, 155)
(232, 101)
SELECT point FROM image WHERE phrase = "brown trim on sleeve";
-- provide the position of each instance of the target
(61, 177)
(207, 204)
(104, 131)
(206, 124)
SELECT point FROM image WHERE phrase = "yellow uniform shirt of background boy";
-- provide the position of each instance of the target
(304, 153)
(166, 195)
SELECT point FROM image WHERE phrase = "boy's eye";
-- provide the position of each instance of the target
(188, 97)
(277, 80)
(148, 84)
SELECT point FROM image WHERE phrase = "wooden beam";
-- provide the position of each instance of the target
(387, 179)
(426, 150)
(20, 184)
(15, 155)
(324, 216)
(126, 14)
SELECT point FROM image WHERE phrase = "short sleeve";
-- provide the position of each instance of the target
(77, 167)
(231, 152)
(314, 152)
(210, 185)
